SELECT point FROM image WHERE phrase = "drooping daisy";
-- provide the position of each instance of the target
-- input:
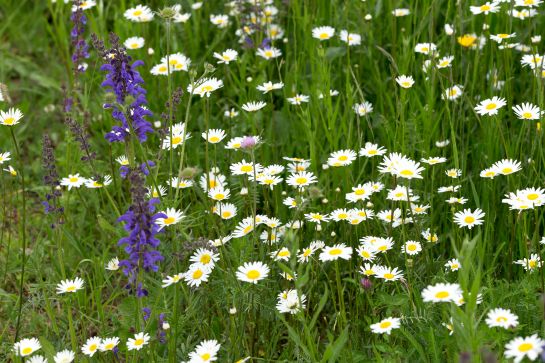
(178, 183)
(453, 173)
(4, 157)
(10, 117)
(91, 346)
(368, 270)
(323, 32)
(138, 342)
(441, 293)
(269, 86)
(253, 106)
(528, 111)
(298, 99)
(502, 318)
(521, 347)
(225, 210)
(252, 272)
(205, 87)
(386, 326)
(490, 106)
(113, 264)
(469, 219)
(405, 81)
(244, 227)
(245, 168)
(170, 280)
(221, 20)
(408, 169)
(26, 347)
(227, 56)
(452, 93)
(425, 48)
(177, 62)
(70, 285)
(134, 43)
(332, 253)
(290, 301)
(350, 38)
(362, 109)
(499, 38)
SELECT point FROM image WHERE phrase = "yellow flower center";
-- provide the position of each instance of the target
(507, 170)
(205, 356)
(469, 219)
(93, 347)
(526, 115)
(411, 247)
(425, 49)
(197, 274)
(301, 180)
(343, 158)
(139, 342)
(253, 274)
(284, 253)
(335, 251)
(485, 7)
(524, 347)
(444, 63)
(214, 139)
(406, 84)
(248, 229)
(342, 216)
(71, 288)
(9, 121)
(169, 220)
(137, 13)
(226, 214)
(442, 295)
(268, 53)
(491, 106)
(207, 88)
(388, 276)
(501, 319)
(109, 346)
(73, 179)
(503, 35)
(324, 36)
(360, 192)
(26, 350)
(532, 196)
(307, 252)
(246, 168)
(162, 69)
(219, 196)
(385, 324)
(134, 45)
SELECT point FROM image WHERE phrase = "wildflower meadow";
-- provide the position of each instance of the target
(272, 181)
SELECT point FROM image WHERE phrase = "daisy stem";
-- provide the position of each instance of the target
(73, 338)
(23, 235)
(340, 294)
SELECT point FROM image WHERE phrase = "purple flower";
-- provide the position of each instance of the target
(125, 82)
(141, 243)
(81, 48)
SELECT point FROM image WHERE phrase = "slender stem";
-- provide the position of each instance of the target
(23, 234)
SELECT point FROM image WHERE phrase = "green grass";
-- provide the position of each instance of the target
(35, 66)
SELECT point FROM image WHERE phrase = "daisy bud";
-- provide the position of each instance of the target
(167, 13)
(189, 173)
(209, 68)
(369, 205)
(448, 29)
(166, 325)
(325, 201)
(233, 311)
(325, 166)
(536, 39)
(486, 26)
(338, 190)
(249, 79)
(157, 124)
(285, 40)
(409, 262)
(244, 191)
(368, 17)
(318, 227)
(150, 51)
(333, 234)
(366, 283)
(284, 192)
